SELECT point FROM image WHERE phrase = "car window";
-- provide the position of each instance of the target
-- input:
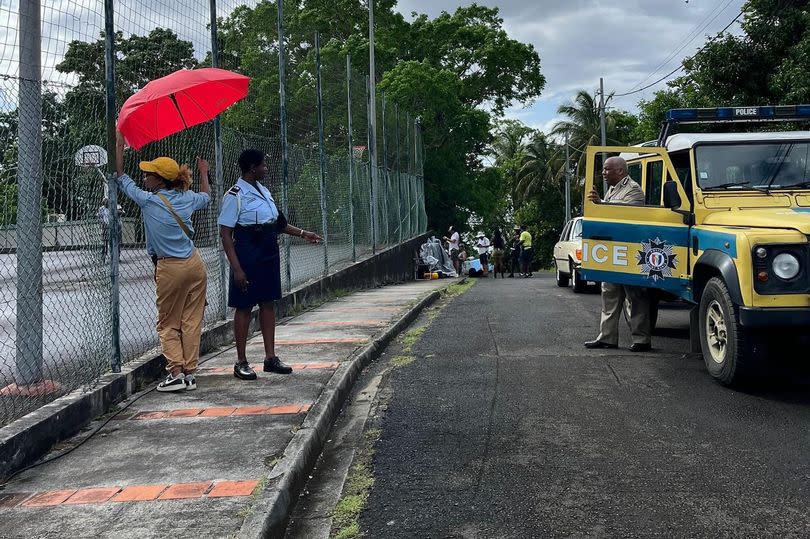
(683, 168)
(564, 235)
(655, 176)
(634, 170)
(576, 232)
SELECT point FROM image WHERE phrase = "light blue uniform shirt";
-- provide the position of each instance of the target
(163, 236)
(257, 206)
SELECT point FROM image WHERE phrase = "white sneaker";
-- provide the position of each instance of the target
(191, 384)
(172, 383)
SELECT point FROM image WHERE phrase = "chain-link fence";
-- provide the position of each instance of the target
(60, 280)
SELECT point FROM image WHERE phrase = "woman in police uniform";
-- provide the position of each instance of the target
(249, 225)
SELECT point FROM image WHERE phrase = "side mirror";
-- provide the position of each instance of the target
(672, 199)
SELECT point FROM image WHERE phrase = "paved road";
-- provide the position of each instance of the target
(505, 426)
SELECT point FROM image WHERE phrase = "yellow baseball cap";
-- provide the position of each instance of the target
(165, 167)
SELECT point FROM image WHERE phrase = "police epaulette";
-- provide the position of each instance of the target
(234, 190)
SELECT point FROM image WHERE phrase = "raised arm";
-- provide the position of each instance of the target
(202, 167)
(119, 154)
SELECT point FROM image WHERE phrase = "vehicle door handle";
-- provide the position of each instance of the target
(603, 238)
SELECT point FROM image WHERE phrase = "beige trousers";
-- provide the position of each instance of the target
(613, 296)
(181, 285)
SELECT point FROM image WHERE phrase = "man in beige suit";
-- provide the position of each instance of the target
(622, 190)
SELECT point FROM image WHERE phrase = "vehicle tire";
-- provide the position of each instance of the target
(562, 278)
(576, 281)
(729, 350)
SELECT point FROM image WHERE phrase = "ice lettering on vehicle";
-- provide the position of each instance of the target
(656, 259)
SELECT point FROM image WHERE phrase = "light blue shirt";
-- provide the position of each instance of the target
(163, 235)
(245, 205)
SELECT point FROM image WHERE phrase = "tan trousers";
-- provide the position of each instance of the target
(181, 285)
(613, 296)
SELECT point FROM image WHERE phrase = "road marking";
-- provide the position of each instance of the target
(284, 409)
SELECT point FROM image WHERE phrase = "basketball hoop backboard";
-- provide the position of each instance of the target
(91, 156)
(357, 151)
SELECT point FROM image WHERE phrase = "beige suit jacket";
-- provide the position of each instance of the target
(625, 192)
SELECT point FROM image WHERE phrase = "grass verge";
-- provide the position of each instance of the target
(346, 516)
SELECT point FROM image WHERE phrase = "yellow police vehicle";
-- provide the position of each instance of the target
(724, 226)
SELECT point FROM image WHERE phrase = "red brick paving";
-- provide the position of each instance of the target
(139, 493)
(182, 491)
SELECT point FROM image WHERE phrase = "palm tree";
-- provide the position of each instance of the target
(542, 165)
(508, 148)
(582, 126)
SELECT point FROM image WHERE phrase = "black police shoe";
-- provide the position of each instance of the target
(274, 364)
(599, 344)
(243, 371)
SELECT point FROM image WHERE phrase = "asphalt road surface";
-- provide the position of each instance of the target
(505, 426)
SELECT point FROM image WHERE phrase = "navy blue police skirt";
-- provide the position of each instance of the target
(257, 250)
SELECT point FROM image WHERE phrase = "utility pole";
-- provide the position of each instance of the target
(112, 187)
(29, 179)
(602, 126)
(372, 112)
(219, 184)
(285, 160)
(567, 181)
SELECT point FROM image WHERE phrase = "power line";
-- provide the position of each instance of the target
(690, 37)
(721, 32)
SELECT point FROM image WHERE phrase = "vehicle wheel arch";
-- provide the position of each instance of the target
(714, 263)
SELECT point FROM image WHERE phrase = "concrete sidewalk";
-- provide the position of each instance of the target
(201, 463)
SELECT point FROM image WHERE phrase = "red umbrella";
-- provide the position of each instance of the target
(177, 101)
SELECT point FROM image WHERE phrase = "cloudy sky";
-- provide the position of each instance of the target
(630, 43)
(624, 41)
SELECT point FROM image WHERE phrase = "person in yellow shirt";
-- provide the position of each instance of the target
(526, 252)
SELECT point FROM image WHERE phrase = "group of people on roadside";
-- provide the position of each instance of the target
(516, 255)
(249, 225)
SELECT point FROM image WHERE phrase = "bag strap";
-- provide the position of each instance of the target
(174, 214)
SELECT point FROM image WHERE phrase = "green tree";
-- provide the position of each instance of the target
(508, 150)
(766, 64)
(582, 126)
(452, 72)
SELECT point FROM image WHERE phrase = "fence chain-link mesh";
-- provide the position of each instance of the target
(56, 285)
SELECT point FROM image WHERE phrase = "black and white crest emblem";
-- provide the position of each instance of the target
(656, 259)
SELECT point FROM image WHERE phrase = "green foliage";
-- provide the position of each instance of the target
(9, 197)
(767, 64)
(441, 70)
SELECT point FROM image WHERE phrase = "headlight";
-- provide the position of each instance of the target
(786, 266)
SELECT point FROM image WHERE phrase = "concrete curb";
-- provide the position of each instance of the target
(24, 441)
(275, 502)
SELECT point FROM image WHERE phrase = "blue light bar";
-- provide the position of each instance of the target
(740, 114)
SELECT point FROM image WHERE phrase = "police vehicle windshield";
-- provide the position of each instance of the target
(753, 166)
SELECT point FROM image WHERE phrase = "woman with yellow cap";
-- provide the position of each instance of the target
(167, 204)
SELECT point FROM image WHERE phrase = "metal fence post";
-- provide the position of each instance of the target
(386, 175)
(398, 176)
(322, 154)
(408, 170)
(351, 154)
(112, 195)
(371, 165)
(219, 182)
(29, 204)
(282, 92)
